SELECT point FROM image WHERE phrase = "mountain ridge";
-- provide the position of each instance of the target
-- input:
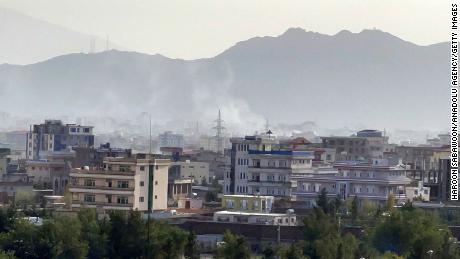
(335, 80)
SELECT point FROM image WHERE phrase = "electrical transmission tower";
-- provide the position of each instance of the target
(219, 130)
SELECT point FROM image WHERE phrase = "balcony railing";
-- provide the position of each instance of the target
(98, 203)
(113, 188)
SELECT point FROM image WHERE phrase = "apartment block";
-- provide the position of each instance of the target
(136, 183)
(366, 181)
(260, 166)
(197, 171)
(365, 145)
(53, 135)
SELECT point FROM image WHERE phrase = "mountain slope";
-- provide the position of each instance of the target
(369, 78)
(26, 40)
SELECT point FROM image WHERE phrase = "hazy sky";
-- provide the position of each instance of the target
(203, 28)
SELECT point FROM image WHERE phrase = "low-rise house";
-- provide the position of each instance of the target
(253, 209)
(418, 192)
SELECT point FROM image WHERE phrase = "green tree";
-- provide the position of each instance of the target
(233, 247)
(354, 208)
(323, 238)
(269, 252)
(411, 232)
(322, 201)
(95, 232)
(294, 251)
(68, 236)
(191, 249)
(6, 255)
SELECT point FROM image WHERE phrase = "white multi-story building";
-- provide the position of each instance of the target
(366, 181)
(259, 166)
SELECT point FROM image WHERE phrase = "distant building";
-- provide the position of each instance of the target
(248, 203)
(197, 171)
(55, 136)
(16, 139)
(366, 145)
(52, 172)
(260, 166)
(169, 139)
(9, 191)
(252, 210)
(90, 156)
(122, 184)
(418, 192)
(366, 181)
(441, 140)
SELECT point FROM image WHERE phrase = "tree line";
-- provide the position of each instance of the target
(120, 235)
(384, 232)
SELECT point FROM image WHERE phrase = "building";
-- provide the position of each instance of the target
(51, 172)
(441, 140)
(16, 139)
(178, 189)
(417, 192)
(55, 136)
(198, 171)
(253, 209)
(4, 161)
(94, 157)
(365, 145)
(136, 183)
(9, 191)
(260, 166)
(249, 203)
(169, 139)
(366, 181)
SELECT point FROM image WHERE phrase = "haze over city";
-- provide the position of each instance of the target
(267, 129)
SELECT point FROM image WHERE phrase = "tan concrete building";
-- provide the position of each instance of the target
(191, 170)
(135, 183)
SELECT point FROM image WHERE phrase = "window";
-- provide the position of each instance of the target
(229, 204)
(90, 198)
(142, 168)
(156, 182)
(122, 200)
(244, 204)
(141, 199)
(122, 184)
(156, 197)
(141, 183)
(86, 130)
(90, 182)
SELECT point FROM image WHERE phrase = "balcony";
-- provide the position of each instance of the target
(101, 190)
(80, 186)
(79, 203)
(258, 182)
(99, 171)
